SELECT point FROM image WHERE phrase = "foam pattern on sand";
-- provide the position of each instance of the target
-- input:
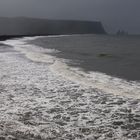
(38, 104)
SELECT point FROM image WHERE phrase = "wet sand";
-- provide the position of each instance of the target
(37, 104)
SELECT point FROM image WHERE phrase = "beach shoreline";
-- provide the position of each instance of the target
(38, 104)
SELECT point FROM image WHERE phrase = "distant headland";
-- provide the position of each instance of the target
(32, 26)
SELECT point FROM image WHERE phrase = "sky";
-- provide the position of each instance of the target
(114, 14)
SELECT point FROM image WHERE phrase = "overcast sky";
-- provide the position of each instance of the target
(114, 14)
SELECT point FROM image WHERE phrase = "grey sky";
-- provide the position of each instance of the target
(115, 14)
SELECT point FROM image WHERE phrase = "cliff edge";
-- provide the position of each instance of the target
(30, 26)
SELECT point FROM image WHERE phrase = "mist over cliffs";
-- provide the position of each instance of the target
(32, 26)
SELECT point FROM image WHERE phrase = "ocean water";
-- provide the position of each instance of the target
(117, 56)
(47, 93)
(107, 63)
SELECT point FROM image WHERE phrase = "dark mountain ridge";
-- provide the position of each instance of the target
(32, 26)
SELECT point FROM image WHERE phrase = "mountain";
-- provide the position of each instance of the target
(33, 26)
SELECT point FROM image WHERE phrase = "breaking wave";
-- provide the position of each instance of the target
(100, 81)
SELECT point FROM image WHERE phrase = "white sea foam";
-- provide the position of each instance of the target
(32, 52)
(39, 102)
(100, 81)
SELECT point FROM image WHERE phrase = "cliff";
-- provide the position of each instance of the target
(30, 26)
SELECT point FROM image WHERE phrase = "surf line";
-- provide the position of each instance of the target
(100, 81)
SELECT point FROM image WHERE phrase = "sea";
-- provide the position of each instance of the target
(109, 63)
(117, 56)
(78, 87)
(106, 62)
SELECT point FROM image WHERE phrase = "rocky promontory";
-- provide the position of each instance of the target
(33, 26)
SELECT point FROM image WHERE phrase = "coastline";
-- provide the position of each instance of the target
(7, 37)
(39, 104)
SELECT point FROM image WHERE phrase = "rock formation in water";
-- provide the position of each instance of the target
(32, 26)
